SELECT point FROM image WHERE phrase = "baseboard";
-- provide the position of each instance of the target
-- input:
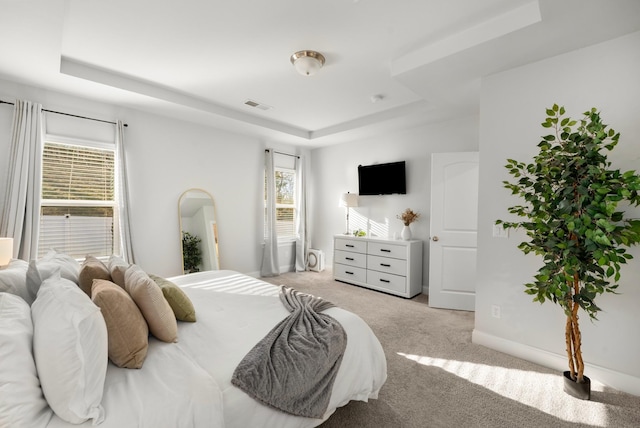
(287, 268)
(620, 381)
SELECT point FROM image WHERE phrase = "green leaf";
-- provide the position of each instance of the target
(570, 212)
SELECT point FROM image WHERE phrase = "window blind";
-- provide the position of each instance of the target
(285, 205)
(77, 173)
(78, 201)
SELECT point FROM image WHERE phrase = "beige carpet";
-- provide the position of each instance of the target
(438, 378)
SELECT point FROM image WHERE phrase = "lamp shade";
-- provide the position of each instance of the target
(6, 251)
(348, 200)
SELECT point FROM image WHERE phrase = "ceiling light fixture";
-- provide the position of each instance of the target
(307, 63)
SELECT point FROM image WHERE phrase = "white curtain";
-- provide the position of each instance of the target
(302, 245)
(122, 184)
(21, 209)
(270, 264)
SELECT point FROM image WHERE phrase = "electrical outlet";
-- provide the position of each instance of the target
(495, 311)
(499, 231)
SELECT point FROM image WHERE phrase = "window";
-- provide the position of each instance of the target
(78, 208)
(285, 179)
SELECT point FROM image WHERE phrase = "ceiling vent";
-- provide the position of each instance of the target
(256, 104)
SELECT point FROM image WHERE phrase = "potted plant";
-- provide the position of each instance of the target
(570, 197)
(191, 253)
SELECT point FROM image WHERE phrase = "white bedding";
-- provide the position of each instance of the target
(188, 384)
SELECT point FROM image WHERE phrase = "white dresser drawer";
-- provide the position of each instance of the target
(390, 266)
(387, 250)
(349, 273)
(387, 265)
(350, 258)
(387, 281)
(354, 245)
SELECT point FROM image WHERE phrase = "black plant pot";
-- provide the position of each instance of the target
(578, 390)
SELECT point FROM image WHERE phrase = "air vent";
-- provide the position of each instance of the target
(256, 104)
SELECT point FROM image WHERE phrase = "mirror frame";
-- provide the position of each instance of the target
(183, 196)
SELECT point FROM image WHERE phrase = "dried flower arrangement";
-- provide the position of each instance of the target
(408, 216)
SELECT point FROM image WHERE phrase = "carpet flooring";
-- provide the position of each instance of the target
(438, 378)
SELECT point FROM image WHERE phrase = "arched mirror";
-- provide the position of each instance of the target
(198, 231)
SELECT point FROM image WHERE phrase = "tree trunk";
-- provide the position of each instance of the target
(573, 336)
(568, 333)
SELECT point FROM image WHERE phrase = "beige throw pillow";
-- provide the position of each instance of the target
(177, 298)
(127, 330)
(117, 266)
(91, 269)
(154, 307)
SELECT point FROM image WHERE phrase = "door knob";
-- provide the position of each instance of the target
(435, 239)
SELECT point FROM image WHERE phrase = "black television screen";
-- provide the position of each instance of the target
(382, 179)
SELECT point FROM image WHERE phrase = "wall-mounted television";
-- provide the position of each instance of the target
(382, 179)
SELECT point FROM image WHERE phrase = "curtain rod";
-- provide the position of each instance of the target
(69, 114)
(285, 154)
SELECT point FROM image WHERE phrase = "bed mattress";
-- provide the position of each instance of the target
(188, 383)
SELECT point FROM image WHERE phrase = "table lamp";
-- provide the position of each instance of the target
(348, 200)
(6, 251)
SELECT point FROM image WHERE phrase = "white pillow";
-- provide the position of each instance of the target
(37, 272)
(21, 401)
(43, 268)
(13, 279)
(70, 350)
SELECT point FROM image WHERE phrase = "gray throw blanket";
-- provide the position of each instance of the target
(293, 368)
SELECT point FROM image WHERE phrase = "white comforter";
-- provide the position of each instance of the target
(188, 384)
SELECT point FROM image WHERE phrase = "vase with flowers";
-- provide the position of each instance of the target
(408, 216)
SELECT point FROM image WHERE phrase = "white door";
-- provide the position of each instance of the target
(454, 223)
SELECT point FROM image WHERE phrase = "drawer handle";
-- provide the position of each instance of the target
(349, 258)
(384, 250)
(349, 245)
(385, 280)
(350, 273)
(385, 265)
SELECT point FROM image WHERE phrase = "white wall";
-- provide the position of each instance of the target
(513, 105)
(335, 171)
(166, 157)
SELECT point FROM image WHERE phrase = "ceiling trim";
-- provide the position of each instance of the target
(491, 29)
(389, 114)
(82, 70)
(92, 73)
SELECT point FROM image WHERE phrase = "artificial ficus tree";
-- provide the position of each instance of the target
(191, 252)
(571, 196)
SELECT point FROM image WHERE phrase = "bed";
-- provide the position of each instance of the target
(188, 383)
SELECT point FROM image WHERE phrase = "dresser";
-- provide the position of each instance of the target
(386, 265)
